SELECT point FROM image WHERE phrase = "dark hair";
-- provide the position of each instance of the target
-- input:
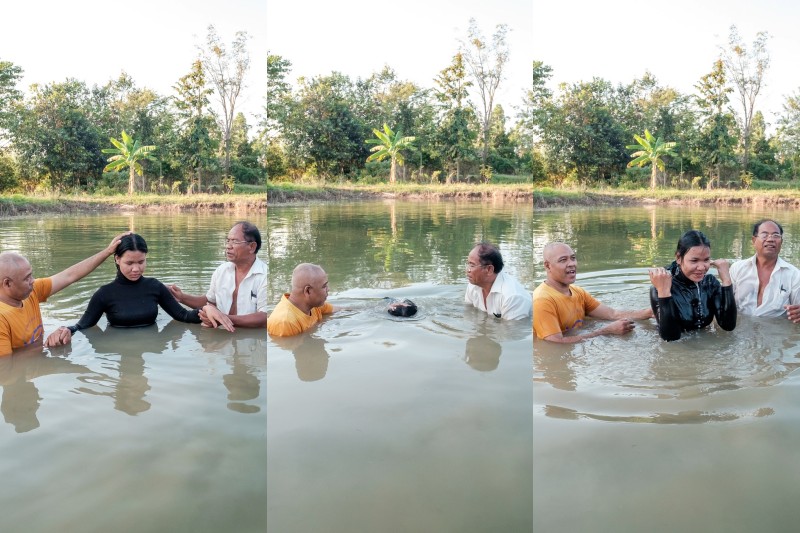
(690, 239)
(757, 226)
(133, 242)
(404, 308)
(489, 254)
(251, 233)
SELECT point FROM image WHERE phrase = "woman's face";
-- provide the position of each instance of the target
(132, 264)
(695, 263)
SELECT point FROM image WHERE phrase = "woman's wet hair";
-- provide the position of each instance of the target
(133, 242)
(490, 255)
(251, 233)
(690, 239)
(403, 308)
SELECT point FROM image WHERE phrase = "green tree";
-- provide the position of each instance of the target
(245, 165)
(486, 62)
(583, 133)
(763, 162)
(196, 144)
(127, 154)
(279, 94)
(54, 137)
(455, 135)
(746, 69)
(322, 132)
(226, 69)
(788, 135)
(650, 150)
(389, 144)
(716, 143)
(10, 97)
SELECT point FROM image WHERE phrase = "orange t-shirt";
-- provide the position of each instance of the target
(287, 320)
(554, 312)
(20, 326)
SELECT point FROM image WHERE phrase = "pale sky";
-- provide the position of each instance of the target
(417, 38)
(155, 42)
(677, 41)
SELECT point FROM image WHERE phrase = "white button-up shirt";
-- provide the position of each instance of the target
(507, 299)
(252, 296)
(783, 288)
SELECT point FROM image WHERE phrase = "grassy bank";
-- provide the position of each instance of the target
(296, 192)
(13, 205)
(544, 197)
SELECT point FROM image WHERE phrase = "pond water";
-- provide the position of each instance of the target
(636, 434)
(382, 424)
(153, 429)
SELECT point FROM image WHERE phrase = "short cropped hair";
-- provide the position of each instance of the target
(757, 226)
(490, 255)
(251, 233)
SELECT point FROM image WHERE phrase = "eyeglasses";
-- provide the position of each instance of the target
(775, 236)
(231, 242)
(473, 266)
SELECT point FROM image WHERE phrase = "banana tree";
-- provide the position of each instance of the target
(650, 150)
(128, 153)
(389, 144)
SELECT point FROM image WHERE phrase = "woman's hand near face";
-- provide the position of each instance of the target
(723, 266)
(662, 281)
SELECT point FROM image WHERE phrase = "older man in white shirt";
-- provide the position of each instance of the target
(493, 290)
(764, 284)
(237, 295)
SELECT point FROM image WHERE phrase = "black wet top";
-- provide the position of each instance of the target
(692, 305)
(130, 304)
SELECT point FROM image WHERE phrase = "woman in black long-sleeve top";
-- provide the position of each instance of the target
(131, 300)
(685, 297)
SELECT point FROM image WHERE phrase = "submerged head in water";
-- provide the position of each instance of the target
(404, 308)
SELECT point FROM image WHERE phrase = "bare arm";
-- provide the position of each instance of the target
(618, 327)
(605, 312)
(80, 270)
(195, 302)
(213, 317)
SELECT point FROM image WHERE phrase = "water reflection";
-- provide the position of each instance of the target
(402, 409)
(310, 356)
(624, 424)
(247, 358)
(21, 398)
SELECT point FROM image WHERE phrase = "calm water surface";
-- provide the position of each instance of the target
(636, 434)
(153, 429)
(381, 424)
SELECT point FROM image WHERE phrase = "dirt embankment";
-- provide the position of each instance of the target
(279, 196)
(22, 208)
(590, 199)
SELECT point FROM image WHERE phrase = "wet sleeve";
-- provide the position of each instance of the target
(666, 313)
(5, 338)
(261, 302)
(725, 311)
(517, 307)
(96, 308)
(174, 309)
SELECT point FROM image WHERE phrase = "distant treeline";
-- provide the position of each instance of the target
(318, 127)
(51, 138)
(581, 130)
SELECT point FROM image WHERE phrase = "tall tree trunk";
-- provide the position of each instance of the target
(653, 176)
(131, 180)
(392, 175)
